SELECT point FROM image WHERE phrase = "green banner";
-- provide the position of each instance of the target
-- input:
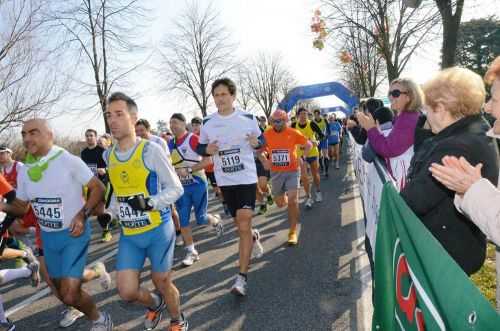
(417, 285)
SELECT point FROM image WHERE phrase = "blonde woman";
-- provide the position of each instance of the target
(454, 99)
(476, 196)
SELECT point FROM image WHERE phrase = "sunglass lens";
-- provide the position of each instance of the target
(395, 93)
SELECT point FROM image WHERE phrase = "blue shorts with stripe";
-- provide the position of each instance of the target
(65, 256)
(157, 245)
(195, 197)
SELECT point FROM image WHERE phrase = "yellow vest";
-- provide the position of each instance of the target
(130, 178)
(308, 132)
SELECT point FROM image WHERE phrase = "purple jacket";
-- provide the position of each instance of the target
(400, 138)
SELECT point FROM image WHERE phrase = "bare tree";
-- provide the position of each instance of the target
(196, 53)
(395, 28)
(451, 14)
(268, 80)
(28, 84)
(243, 96)
(100, 35)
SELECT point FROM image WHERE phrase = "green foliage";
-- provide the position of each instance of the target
(485, 279)
(478, 44)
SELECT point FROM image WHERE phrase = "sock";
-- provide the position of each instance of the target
(177, 232)
(178, 319)
(243, 275)
(7, 275)
(101, 318)
(3, 318)
(156, 299)
(191, 248)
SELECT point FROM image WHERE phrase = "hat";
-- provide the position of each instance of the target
(178, 116)
(4, 148)
(196, 120)
(383, 115)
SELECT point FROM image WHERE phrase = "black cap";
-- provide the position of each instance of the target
(383, 115)
(178, 116)
(4, 148)
(196, 120)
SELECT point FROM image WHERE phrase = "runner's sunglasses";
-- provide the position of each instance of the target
(396, 93)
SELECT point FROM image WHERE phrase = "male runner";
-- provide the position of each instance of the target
(312, 132)
(145, 185)
(230, 136)
(334, 139)
(92, 156)
(322, 124)
(52, 180)
(189, 167)
(281, 144)
(264, 197)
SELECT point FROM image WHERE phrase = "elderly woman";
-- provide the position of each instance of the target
(453, 103)
(476, 196)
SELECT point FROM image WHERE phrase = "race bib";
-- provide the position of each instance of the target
(185, 176)
(280, 157)
(93, 168)
(230, 160)
(49, 212)
(131, 218)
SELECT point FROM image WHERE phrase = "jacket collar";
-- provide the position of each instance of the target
(470, 124)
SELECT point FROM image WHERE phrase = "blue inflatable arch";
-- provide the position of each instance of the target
(319, 90)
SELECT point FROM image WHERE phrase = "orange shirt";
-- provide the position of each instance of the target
(282, 148)
(5, 187)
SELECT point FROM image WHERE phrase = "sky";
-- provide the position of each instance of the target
(255, 25)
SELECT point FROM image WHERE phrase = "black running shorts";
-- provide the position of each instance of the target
(239, 197)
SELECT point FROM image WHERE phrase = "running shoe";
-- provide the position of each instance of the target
(153, 316)
(191, 258)
(104, 276)
(106, 236)
(240, 286)
(270, 200)
(179, 241)
(218, 227)
(319, 197)
(337, 165)
(257, 249)
(179, 325)
(262, 209)
(30, 257)
(105, 325)
(309, 203)
(7, 325)
(292, 238)
(70, 315)
(35, 273)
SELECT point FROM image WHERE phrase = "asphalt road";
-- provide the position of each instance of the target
(322, 284)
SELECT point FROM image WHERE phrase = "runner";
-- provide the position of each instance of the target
(230, 136)
(264, 197)
(322, 123)
(52, 180)
(335, 130)
(311, 131)
(281, 144)
(189, 167)
(145, 185)
(92, 156)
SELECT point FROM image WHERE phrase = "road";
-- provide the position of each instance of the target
(324, 283)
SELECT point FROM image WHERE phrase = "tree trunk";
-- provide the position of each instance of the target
(451, 23)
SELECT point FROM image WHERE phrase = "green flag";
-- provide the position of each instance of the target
(417, 285)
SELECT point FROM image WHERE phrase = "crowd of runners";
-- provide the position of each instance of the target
(148, 186)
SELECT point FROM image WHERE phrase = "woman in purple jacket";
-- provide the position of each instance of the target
(406, 101)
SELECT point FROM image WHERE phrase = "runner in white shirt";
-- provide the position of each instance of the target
(230, 136)
(52, 181)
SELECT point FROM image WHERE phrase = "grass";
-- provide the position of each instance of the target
(485, 278)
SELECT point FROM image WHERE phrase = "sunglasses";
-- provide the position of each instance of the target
(396, 93)
(277, 121)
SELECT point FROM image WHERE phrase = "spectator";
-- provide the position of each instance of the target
(476, 196)
(366, 107)
(453, 104)
(383, 117)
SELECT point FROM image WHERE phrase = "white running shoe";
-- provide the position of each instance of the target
(191, 257)
(257, 249)
(309, 203)
(240, 286)
(218, 227)
(104, 276)
(337, 165)
(35, 273)
(105, 325)
(179, 241)
(319, 197)
(70, 315)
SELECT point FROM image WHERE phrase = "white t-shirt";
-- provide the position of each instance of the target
(161, 142)
(57, 197)
(234, 163)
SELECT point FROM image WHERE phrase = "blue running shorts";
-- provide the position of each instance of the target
(195, 196)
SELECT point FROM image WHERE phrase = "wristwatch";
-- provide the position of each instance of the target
(150, 203)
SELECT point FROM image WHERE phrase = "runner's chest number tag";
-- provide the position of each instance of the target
(93, 168)
(280, 157)
(231, 160)
(185, 176)
(131, 218)
(49, 212)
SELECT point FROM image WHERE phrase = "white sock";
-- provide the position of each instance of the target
(191, 248)
(3, 318)
(7, 275)
(101, 318)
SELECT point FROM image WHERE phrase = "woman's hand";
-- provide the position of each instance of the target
(366, 121)
(456, 174)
